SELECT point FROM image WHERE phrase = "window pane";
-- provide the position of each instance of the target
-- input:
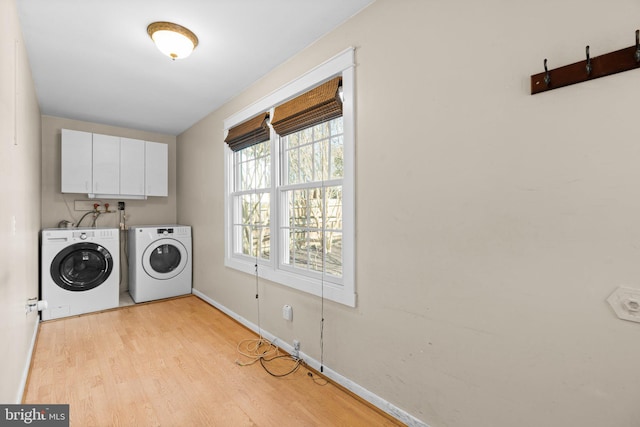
(246, 241)
(253, 167)
(298, 248)
(334, 208)
(262, 149)
(337, 158)
(293, 140)
(255, 240)
(320, 157)
(315, 208)
(266, 172)
(306, 136)
(333, 258)
(298, 208)
(336, 126)
(321, 131)
(293, 165)
(264, 210)
(316, 155)
(247, 154)
(315, 251)
(246, 175)
(306, 164)
(247, 209)
(265, 243)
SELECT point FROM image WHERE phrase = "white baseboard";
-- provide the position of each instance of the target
(27, 365)
(356, 389)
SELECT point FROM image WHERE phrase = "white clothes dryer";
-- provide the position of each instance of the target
(159, 261)
(79, 270)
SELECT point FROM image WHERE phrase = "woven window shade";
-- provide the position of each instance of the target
(315, 106)
(251, 132)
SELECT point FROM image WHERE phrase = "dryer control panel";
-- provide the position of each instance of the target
(172, 231)
(165, 231)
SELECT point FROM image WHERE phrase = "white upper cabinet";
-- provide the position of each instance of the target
(132, 166)
(109, 166)
(156, 169)
(106, 164)
(77, 161)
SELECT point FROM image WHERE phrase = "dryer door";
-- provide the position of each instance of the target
(81, 267)
(164, 259)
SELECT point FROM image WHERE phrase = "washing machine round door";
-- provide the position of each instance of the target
(164, 259)
(81, 266)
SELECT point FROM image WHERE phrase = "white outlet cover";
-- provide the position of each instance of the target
(287, 312)
(626, 303)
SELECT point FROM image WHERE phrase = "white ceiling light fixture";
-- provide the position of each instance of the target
(173, 40)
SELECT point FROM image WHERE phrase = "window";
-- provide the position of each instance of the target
(311, 199)
(251, 201)
(290, 184)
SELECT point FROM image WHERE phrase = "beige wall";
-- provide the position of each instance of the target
(491, 224)
(57, 206)
(20, 205)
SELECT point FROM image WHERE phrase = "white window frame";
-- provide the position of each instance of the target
(344, 292)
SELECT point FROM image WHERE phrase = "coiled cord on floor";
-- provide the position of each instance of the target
(263, 351)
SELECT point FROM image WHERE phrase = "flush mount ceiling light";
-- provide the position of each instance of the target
(173, 40)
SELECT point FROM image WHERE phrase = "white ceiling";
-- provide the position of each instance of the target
(92, 60)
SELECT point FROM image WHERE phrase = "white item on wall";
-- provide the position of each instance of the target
(287, 312)
(77, 165)
(105, 166)
(132, 166)
(156, 169)
(34, 305)
(626, 303)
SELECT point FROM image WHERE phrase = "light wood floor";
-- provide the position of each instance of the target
(172, 363)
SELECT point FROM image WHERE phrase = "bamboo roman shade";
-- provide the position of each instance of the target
(251, 132)
(315, 106)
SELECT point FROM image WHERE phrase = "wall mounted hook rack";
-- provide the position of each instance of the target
(591, 68)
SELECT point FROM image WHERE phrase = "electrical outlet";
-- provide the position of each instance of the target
(287, 313)
(296, 349)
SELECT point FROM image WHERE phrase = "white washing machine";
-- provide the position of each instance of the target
(159, 261)
(79, 270)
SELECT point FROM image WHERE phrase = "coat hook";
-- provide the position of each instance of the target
(589, 67)
(547, 76)
(637, 46)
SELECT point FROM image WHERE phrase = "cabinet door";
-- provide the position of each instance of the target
(76, 170)
(156, 169)
(106, 164)
(132, 166)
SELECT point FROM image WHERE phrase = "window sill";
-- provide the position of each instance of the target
(327, 290)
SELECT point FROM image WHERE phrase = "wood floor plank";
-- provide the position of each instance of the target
(173, 363)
